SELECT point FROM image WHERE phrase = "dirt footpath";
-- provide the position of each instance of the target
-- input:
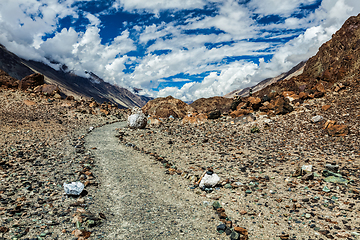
(139, 200)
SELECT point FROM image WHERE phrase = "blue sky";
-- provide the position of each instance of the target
(185, 48)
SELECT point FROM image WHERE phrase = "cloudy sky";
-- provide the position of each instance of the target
(184, 48)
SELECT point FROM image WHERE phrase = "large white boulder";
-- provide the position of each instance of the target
(137, 120)
(209, 180)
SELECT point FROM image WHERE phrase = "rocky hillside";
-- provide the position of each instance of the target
(71, 84)
(295, 71)
(335, 66)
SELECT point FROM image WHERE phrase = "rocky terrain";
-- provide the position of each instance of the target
(41, 148)
(287, 157)
(258, 158)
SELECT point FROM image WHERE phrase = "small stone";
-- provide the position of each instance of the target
(78, 233)
(216, 205)
(241, 230)
(332, 168)
(326, 189)
(221, 228)
(234, 236)
(317, 119)
(243, 212)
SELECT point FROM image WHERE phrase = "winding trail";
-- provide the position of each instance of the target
(139, 199)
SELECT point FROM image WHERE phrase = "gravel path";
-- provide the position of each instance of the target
(139, 200)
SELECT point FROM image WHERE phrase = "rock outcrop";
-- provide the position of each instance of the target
(7, 81)
(166, 107)
(207, 105)
(31, 81)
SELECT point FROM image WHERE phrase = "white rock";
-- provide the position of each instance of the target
(137, 120)
(307, 168)
(74, 188)
(317, 119)
(209, 180)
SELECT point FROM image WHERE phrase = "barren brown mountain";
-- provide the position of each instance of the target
(335, 65)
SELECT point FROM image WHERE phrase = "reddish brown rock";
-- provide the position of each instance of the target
(93, 104)
(166, 107)
(303, 95)
(31, 81)
(287, 93)
(241, 230)
(255, 102)
(242, 105)
(325, 107)
(282, 106)
(329, 123)
(264, 109)
(239, 113)
(320, 87)
(7, 81)
(207, 105)
(338, 130)
(104, 111)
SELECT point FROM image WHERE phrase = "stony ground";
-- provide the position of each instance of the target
(264, 197)
(41, 147)
(43, 144)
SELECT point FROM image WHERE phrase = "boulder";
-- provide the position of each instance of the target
(239, 113)
(207, 105)
(329, 123)
(214, 114)
(47, 89)
(325, 107)
(50, 89)
(282, 106)
(320, 88)
(137, 120)
(209, 180)
(7, 81)
(93, 104)
(166, 107)
(242, 105)
(303, 95)
(31, 81)
(255, 102)
(338, 130)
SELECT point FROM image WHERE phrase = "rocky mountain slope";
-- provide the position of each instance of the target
(295, 71)
(335, 66)
(71, 84)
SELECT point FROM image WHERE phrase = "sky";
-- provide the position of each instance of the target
(188, 49)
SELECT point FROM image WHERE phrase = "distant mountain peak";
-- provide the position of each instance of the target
(70, 83)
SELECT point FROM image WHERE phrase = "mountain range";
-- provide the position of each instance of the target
(71, 84)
